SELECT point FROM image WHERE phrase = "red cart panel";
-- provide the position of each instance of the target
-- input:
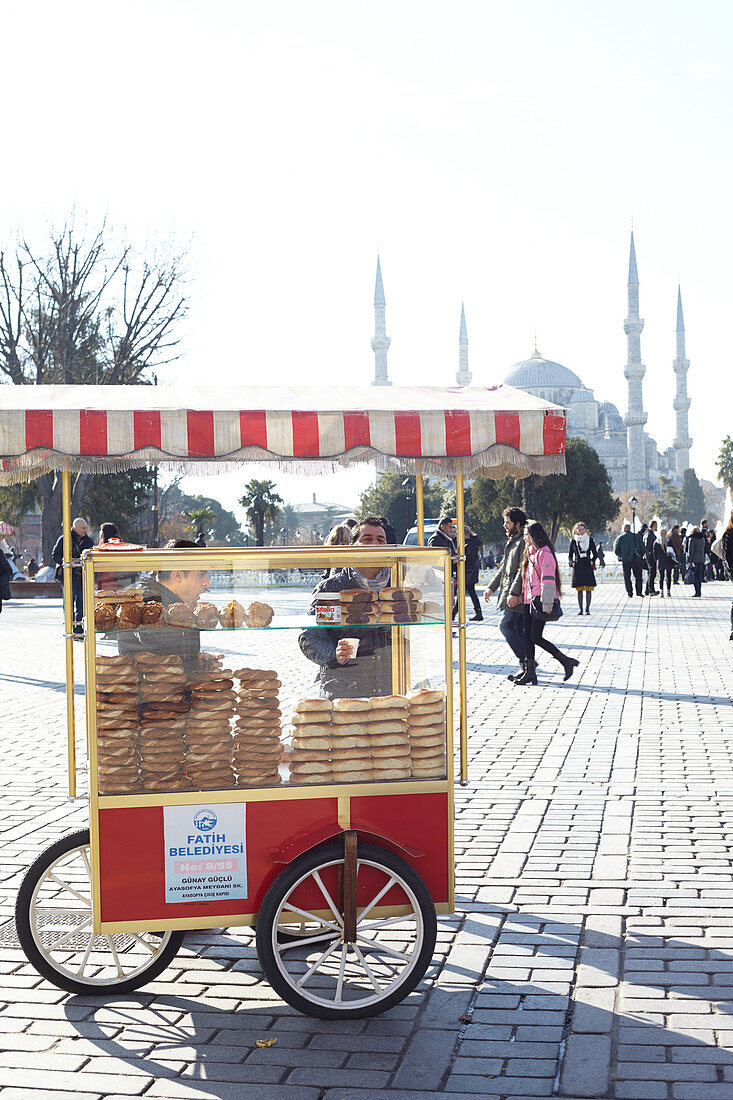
(131, 851)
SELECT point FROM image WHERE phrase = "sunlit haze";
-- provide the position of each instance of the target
(492, 153)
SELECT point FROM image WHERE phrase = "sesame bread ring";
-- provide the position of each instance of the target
(423, 695)
(391, 773)
(390, 739)
(363, 776)
(417, 721)
(354, 705)
(387, 702)
(256, 674)
(303, 706)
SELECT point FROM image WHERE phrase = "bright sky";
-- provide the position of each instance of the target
(491, 152)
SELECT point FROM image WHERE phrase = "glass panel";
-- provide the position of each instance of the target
(248, 672)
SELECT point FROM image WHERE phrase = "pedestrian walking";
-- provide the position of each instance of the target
(678, 546)
(664, 558)
(508, 583)
(583, 556)
(650, 537)
(542, 593)
(490, 559)
(6, 573)
(697, 549)
(628, 548)
(473, 553)
(601, 555)
(442, 539)
(80, 542)
(727, 558)
(709, 536)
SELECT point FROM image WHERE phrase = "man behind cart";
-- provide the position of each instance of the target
(168, 587)
(342, 675)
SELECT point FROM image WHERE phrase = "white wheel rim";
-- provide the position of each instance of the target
(61, 926)
(325, 970)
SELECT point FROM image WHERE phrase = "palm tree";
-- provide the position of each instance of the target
(198, 518)
(262, 505)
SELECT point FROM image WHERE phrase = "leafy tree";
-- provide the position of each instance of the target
(489, 498)
(391, 497)
(669, 501)
(584, 492)
(123, 500)
(725, 462)
(79, 312)
(693, 498)
(288, 524)
(16, 501)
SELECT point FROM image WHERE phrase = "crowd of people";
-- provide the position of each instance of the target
(668, 555)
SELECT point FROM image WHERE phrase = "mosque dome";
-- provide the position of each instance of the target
(538, 373)
(613, 422)
(581, 396)
(610, 448)
(608, 407)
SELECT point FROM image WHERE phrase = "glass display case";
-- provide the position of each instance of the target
(222, 670)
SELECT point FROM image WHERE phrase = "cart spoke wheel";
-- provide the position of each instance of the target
(319, 971)
(55, 928)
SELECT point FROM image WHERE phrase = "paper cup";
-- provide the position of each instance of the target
(353, 644)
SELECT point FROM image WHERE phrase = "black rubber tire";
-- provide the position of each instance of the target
(42, 964)
(309, 861)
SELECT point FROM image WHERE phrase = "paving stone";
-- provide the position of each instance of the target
(586, 1065)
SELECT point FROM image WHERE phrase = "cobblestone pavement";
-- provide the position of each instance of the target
(593, 948)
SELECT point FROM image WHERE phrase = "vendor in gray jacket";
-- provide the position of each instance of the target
(508, 581)
(370, 672)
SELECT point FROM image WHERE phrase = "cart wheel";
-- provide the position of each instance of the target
(53, 916)
(321, 974)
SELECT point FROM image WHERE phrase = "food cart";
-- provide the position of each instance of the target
(238, 774)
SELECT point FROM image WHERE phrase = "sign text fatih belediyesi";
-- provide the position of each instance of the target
(205, 852)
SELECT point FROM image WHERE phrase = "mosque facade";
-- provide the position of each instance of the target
(628, 452)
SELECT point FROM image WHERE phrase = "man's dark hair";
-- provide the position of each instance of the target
(177, 544)
(446, 519)
(368, 521)
(676, 527)
(516, 515)
(351, 523)
(108, 531)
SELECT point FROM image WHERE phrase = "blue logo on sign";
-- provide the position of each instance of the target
(205, 820)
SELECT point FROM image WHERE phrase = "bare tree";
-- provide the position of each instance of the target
(79, 313)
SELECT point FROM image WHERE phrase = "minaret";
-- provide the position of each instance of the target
(682, 441)
(463, 378)
(634, 373)
(381, 341)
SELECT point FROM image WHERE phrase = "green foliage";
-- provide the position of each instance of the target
(390, 498)
(200, 518)
(122, 499)
(693, 498)
(584, 492)
(16, 501)
(725, 462)
(271, 501)
(669, 502)
(488, 499)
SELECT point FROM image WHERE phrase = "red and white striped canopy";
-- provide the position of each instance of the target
(419, 429)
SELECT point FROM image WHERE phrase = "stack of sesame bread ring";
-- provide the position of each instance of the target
(312, 741)
(427, 730)
(208, 729)
(117, 700)
(370, 739)
(257, 749)
(164, 705)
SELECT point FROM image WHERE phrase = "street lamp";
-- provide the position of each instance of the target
(409, 486)
(633, 502)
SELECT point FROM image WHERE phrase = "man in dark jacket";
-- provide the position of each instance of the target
(650, 537)
(6, 573)
(508, 582)
(628, 548)
(369, 673)
(80, 541)
(169, 587)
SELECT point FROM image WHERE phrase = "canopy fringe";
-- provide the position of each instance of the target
(497, 461)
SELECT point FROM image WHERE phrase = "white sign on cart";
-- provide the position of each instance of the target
(205, 852)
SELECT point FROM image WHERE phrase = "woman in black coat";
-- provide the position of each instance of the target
(583, 556)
